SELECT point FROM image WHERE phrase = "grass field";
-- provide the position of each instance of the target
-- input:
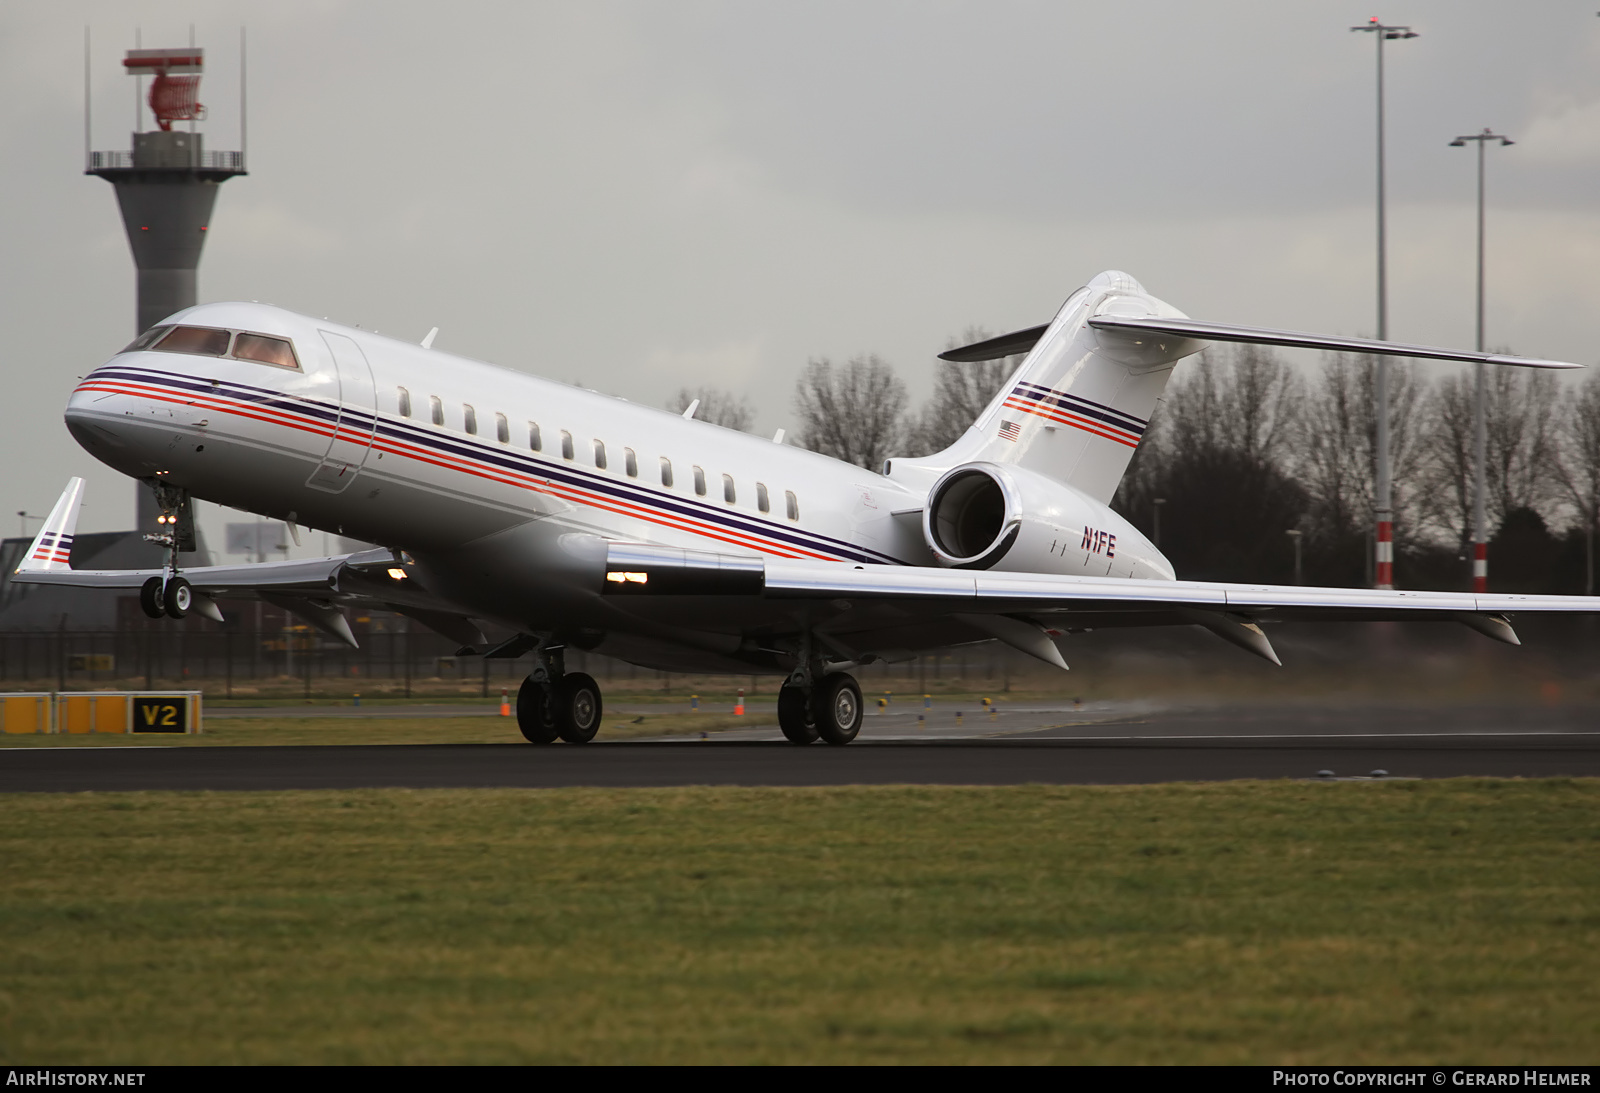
(1241, 922)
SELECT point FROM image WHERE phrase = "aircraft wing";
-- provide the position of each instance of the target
(312, 589)
(1026, 610)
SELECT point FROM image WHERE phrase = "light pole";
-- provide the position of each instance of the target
(1383, 552)
(1480, 413)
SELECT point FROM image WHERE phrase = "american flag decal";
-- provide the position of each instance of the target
(1010, 430)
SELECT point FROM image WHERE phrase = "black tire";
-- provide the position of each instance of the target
(577, 708)
(836, 704)
(178, 597)
(151, 600)
(535, 715)
(794, 715)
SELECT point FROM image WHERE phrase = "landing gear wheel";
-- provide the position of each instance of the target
(535, 716)
(179, 598)
(794, 715)
(837, 706)
(577, 708)
(151, 599)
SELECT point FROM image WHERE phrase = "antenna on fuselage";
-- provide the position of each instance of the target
(693, 406)
(427, 343)
(777, 437)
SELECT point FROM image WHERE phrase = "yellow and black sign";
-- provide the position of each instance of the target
(160, 713)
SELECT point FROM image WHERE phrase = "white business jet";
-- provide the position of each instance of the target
(570, 518)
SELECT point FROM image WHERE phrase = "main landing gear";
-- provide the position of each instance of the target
(166, 598)
(830, 710)
(554, 703)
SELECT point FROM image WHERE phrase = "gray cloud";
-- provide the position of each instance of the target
(648, 195)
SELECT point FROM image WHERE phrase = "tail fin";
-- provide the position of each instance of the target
(52, 548)
(1081, 400)
(1079, 403)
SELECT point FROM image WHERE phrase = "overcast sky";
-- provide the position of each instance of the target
(646, 195)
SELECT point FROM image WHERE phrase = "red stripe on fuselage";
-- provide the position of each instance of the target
(522, 480)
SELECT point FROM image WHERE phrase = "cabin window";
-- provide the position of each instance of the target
(728, 493)
(435, 410)
(535, 442)
(469, 418)
(502, 429)
(147, 339)
(566, 444)
(402, 400)
(630, 463)
(265, 350)
(792, 504)
(600, 454)
(761, 497)
(203, 340)
(666, 472)
(700, 481)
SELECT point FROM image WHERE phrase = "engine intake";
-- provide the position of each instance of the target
(972, 517)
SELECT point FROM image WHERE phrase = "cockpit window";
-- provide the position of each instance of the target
(147, 339)
(203, 340)
(259, 347)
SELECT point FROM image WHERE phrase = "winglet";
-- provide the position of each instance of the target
(52, 549)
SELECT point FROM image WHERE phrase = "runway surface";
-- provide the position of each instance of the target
(1106, 743)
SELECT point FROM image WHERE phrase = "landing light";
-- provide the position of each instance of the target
(397, 573)
(620, 577)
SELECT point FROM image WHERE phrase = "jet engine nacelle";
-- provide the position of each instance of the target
(1000, 517)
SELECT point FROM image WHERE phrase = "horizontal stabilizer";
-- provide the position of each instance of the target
(1006, 345)
(1255, 335)
(1021, 341)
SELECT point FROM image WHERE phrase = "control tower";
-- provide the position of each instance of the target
(167, 185)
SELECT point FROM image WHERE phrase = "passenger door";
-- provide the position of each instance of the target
(355, 421)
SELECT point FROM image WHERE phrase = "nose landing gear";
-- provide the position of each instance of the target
(170, 596)
(554, 703)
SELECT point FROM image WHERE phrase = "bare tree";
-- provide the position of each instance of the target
(961, 392)
(1578, 469)
(1338, 459)
(1450, 473)
(717, 406)
(1522, 440)
(1243, 400)
(854, 413)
